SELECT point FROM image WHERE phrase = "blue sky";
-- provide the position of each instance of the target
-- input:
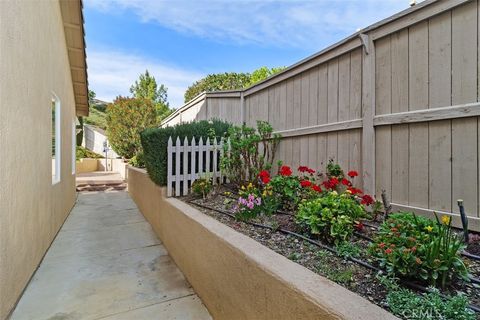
(181, 41)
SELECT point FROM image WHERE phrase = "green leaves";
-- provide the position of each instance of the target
(332, 216)
(417, 247)
(250, 151)
(126, 118)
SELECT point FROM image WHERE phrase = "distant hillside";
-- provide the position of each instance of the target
(97, 116)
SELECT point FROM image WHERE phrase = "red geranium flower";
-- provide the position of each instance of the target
(388, 251)
(331, 183)
(316, 188)
(264, 175)
(305, 183)
(305, 169)
(354, 190)
(285, 171)
(367, 200)
(346, 182)
(381, 245)
(352, 173)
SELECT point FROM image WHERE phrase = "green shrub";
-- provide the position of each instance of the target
(126, 118)
(138, 160)
(416, 247)
(250, 151)
(81, 153)
(203, 185)
(155, 140)
(332, 216)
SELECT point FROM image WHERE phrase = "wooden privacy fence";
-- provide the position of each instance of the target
(398, 101)
(188, 162)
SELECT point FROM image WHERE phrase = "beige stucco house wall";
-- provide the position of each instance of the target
(36, 61)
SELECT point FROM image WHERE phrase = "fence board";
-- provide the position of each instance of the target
(177, 167)
(464, 87)
(440, 165)
(383, 94)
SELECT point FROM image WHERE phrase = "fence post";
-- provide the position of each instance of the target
(185, 166)
(207, 155)
(169, 166)
(215, 160)
(177, 167)
(368, 110)
(200, 157)
(193, 171)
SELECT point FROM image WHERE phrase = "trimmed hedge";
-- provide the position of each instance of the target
(155, 140)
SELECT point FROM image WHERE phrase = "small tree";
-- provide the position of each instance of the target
(126, 118)
(146, 87)
(217, 82)
(263, 73)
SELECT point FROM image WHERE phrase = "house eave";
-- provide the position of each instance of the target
(73, 24)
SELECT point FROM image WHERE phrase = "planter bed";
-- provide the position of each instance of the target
(344, 271)
(237, 277)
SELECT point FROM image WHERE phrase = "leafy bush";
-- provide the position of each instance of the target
(407, 304)
(413, 246)
(155, 140)
(333, 216)
(138, 160)
(250, 151)
(291, 189)
(203, 185)
(81, 153)
(126, 118)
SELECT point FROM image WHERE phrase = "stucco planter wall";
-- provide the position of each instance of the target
(86, 165)
(236, 277)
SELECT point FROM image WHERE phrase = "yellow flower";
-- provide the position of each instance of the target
(446, 220)
(264, 193)
(250, 186)
(348, 191)
(243, 187)
(227, 193)
(429, 228)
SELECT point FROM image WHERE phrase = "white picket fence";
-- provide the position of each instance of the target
(187, 162)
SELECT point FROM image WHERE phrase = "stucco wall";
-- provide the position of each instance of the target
(33, 64)
(235, 276)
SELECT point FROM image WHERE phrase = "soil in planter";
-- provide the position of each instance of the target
(350, 275)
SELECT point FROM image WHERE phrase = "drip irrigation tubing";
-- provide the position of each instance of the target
(325, 247)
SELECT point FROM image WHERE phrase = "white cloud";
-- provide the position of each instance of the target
(111, 73)
(297, 23)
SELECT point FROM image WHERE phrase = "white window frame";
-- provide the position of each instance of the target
(74, 144)
(58, 152)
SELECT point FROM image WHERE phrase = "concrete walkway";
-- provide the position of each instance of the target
(107, 263)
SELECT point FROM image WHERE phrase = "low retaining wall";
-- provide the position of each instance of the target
(235, 276)
(86, 165)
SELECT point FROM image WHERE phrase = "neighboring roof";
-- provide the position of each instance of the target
(72, 16)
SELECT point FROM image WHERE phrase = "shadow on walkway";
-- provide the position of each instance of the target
(107, 263)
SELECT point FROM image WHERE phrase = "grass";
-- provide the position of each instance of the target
(97, 117)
